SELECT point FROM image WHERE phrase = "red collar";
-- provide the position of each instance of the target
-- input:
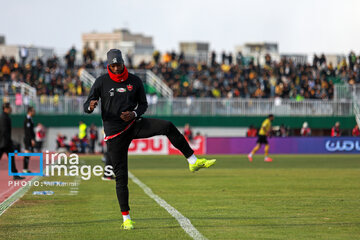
(118, 77)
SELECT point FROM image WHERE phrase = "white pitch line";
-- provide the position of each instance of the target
(16, 195)
(183, 221)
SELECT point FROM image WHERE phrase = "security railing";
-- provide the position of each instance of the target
(346, 91)
(249, 107)
(357, 113)
(356, 100)
(11, 88)
(87, 79)
(349, 92)
(356, 91)
(157, 83)
(201, 107)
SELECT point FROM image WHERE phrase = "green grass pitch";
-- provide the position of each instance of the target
(294, 197)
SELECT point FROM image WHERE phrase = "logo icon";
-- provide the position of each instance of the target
(130, 87)
(40, 155)
(114, 60)
(121, 90)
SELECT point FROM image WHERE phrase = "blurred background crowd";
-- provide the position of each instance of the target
(223, 76)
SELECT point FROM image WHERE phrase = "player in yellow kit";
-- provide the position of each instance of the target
(264, 132)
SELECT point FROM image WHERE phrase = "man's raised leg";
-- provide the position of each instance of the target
(149, 127)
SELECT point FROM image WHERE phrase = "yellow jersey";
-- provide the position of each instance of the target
(265, 125)
(82, 130)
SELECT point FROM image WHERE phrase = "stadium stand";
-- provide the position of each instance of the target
(238, 79)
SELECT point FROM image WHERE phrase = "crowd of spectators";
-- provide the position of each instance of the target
(48, 78)
(231, 77)
(245, 79)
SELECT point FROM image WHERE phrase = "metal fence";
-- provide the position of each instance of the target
(249, 107)
(349, 92)
(11, 88)
(346, 91)
(356, 91)
(200, 107)
(49, 105)
(357, 113)
(356, 99)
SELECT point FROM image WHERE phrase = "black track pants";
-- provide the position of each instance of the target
(118, 150)
(7, 151)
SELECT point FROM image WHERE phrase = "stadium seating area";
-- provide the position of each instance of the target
(49, 78)
(246, 80)
(228, 79)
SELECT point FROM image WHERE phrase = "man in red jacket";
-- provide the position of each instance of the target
(251, 132)
(356, 131)
(335, 130)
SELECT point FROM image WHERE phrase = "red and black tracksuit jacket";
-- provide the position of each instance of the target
(117, 97)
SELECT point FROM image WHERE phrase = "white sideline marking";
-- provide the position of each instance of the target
(7, 203)
(183, 221)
